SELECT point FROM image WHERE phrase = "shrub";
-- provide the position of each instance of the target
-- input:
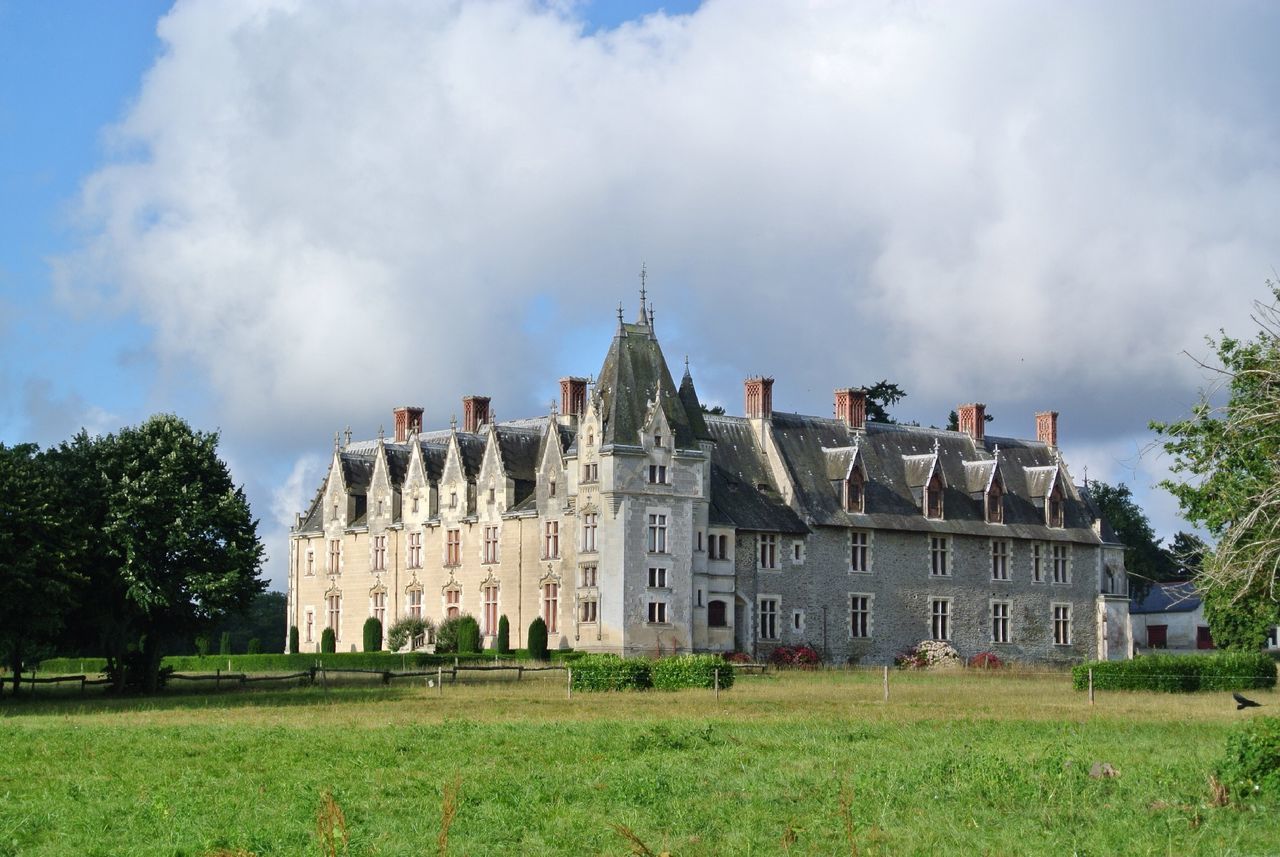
(504, 636)
(134, 665)
(986, 661)
(928, 654)
(468, 635)
(1180, 673)
(680, 671)
(447, 633)
(255, 646)
(738, 658)
(538, 640)
(328, 642)
(609, 672)
(804, 657)
(406, 631)
(294, 643)
(224, 645)
(372, 634)
(1252, 763)
(202, 646)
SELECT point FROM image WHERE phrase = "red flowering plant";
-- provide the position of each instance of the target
(985, 661)
(738, 658)
(803, 657)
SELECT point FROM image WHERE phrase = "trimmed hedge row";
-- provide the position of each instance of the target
(611, 672)
(1180, 673)
(290, 663)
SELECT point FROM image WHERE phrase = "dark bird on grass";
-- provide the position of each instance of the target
(1244, 702)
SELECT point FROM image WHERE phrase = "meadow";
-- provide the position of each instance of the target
(790, 763)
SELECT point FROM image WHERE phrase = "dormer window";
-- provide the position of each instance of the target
(415, 504)
(551, 488)
(1055, 506)
(995, 504)
(657, 440)
(591, 438)
(379, 508)
(657, 474)
(933, 498)
(853, 492)
(453, 499)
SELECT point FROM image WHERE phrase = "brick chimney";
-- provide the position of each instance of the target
(759, 394)
(408, 421)
(573, 396)
(972, 420)
(475, 412)
(851, 407)
(1047, 427)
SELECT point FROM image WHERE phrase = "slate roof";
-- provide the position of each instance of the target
(1167, 598)
(738, 470)
(519, 450)
(634, 372)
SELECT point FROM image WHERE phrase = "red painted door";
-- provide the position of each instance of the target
(1204, 640)
(1157, 636)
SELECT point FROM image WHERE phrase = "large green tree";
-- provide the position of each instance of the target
(187, 544)
(1226, 457)
(1145, 560)
(36, 580)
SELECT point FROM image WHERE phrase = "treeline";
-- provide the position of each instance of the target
(125, 545)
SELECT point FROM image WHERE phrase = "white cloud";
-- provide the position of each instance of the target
(339, 207)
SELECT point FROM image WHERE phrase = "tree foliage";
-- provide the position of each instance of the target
(881, 396)
(1145, 560)
(538, 640)
(504, 636)
(372, 634)
(1227, 460)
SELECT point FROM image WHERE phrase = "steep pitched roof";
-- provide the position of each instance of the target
(743, 491)
(634, 372)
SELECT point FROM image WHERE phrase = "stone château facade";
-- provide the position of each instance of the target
(632, 522)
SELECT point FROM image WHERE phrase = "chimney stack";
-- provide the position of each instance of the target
(972, 420)
(759, 394)
(851, 407)
(475, 412)
(408, 421)
(573, 396)
(1047, 428)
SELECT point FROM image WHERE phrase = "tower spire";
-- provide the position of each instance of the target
(644, 313)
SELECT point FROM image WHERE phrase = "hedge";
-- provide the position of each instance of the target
(610, 672)
(1180, 673)
(680, 671)
(372, 634)
(291, 663)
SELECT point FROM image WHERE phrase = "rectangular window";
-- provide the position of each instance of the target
(490, 625)
(378, 606)
(797, 552)
(415, 550)
(311, 563)
(860, 615)
(999, 621)
(415, 504)
(658, 474)
(657, 578)
(551, 606)
(379, 553)
(589, 532)
(1062, 624)
(588, 576)
(713, 547)
(940, 612)
(415, 603)
(453, 547)
(999, 560)
(768, 619)
(657, 534)
(1060, 556)
(939, 558)
(860, 557)
(590, 472)
(311, 624)
(1037, 563)
(452, 603)
(699, 539)
(335, 555)
(657, 612)
(587, 611)
(551, 541)
(768, 551)
(335, 614)
(724, 547)
(797, 621)
(490, 549)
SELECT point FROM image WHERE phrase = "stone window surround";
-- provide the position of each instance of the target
(868, 550)
(870, 611)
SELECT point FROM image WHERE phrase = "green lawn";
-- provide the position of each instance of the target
(952, 764)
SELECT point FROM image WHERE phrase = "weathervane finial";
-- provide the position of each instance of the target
(936, 445)
(453, 422)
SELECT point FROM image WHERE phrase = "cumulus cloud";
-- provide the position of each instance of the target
(329, 209)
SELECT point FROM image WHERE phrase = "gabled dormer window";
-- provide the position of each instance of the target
(551, 488)
(657, 441)
(854, 495)
(933, 498)
(995, 503)
(453, 500)
(1054, 507)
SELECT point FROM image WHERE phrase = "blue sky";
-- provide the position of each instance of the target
(280, 219)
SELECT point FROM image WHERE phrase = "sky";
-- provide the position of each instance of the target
(279, 218)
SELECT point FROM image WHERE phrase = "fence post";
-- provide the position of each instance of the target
(439, 680)
(519, 671)
(717, 684)
(569, 682)
(1091, 685)
(886, 683)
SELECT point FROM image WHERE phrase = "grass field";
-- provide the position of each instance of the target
(793, 763)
